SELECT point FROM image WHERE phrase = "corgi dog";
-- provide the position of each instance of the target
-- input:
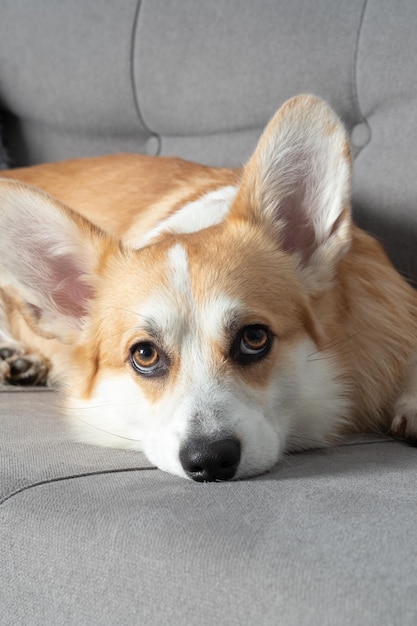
(213, 318)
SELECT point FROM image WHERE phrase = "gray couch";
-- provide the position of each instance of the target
(97, 536)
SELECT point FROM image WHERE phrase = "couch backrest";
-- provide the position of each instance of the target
(201, 78)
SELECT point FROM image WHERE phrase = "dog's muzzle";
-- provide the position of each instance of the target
(205, 460)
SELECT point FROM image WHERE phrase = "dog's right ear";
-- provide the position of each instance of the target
(297, 184)
(49, 257)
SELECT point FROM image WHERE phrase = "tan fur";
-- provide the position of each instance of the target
(124, 194)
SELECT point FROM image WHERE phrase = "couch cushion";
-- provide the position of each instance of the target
(66, 81)
(206, 69)
(96, 536)
(385, 183)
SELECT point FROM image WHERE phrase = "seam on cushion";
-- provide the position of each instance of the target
(133, 80)
(58, 479)
(347, 444)
(237, 130)
(355, 91)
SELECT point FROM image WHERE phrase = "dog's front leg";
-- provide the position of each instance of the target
(18, 366)
(404, 423)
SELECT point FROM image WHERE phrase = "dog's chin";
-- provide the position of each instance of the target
(257, 465)
(256, 469)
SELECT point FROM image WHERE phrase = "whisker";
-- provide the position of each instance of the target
(327, 357)
(107, 432)
(61, 406)
(308, 440)
(334, 344)
(101, 405)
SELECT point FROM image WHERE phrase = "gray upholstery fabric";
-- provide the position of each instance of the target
(96, 536)
(327, 538)
(384, 176)
(65, 78)
(250, 59)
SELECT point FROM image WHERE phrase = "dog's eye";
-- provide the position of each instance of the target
(252, 343)
(254, 339)
(146, 359)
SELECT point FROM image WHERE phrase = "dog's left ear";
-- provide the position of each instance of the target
(298, 183)
(49, 260)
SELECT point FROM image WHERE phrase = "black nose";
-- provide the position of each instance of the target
(205, 460)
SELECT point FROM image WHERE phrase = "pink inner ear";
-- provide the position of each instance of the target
(48, 257)
(68, 291)
(298, 233)
(291, 197)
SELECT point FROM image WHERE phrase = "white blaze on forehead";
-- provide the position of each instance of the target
(178, 272)
(207, 211)
(186, 326)
(169, 309)
(219, 315)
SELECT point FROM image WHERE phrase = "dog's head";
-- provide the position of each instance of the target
(199, 347)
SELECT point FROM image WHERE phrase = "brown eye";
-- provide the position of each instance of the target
(254, 339)
(145, 359)
(251, 344)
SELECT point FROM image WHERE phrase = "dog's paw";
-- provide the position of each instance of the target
(18, 367)
(404, 424)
